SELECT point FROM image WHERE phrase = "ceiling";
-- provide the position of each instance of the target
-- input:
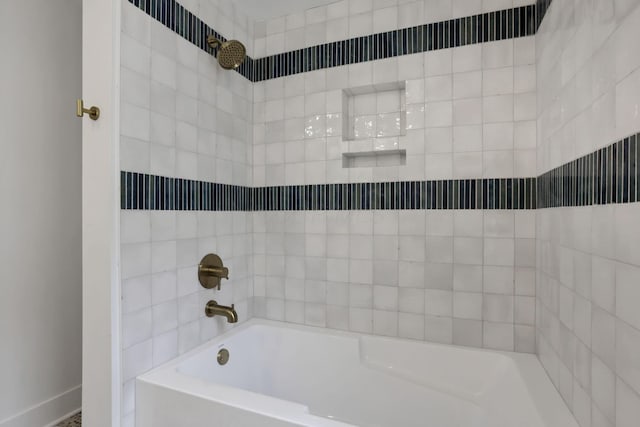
(261, 10)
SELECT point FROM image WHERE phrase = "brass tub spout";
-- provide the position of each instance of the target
(214, 309)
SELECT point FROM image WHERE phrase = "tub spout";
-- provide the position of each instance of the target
(214, 309)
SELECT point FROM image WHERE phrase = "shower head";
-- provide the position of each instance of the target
(230, 53)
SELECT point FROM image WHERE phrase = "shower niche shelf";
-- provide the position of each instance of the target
(374, 111)
(369, 159)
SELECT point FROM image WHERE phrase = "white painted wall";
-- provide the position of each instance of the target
(40, 211)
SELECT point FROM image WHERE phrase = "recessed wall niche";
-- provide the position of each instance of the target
(374, 118)
(374, 112)
(369, 159)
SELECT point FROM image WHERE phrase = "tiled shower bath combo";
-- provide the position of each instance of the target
(380, 178)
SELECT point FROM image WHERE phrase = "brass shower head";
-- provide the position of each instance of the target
(231, 53)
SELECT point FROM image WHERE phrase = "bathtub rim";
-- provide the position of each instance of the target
(546, 398)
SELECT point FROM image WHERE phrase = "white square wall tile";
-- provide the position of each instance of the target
(360, 24)
(497, 54)
(438, 275)
(498, 308)
(603, 336)
(627, 233)
(135, 122)
(438, 114)
(361, 320)
(136, 260)
(412, 248)
(524, 50)
(385, 323)
(499, 108)
(137, 359)
(136, 327)
(135, 55)
(498, 280)
(524, 106)
(467, 111)
(467, 332)
(438, 88)
(525, 281)
(603, 384)
(188, 336)
(467, 58)
(437, 10)
(498, 81)
(627, 295)
(493, 5)
(438, 329)
(359, 6)
(499, 224)
(467, 138)
(627, 346)
(135, 227)
(525, 339)
(411, 274)
(411, 326)
(467, 305)
(525, 308)
(467, 278)
(499, 252)
(412, 222)
(525, 252)
(385, 19)
(165, 347)
(136, 294)
(337, 317)
(627, 405)
(467, 165)
(467, 84)
(438, 303)
(315, 314)
(498, 164)
(499, 336)
(438, 62)
(467, 250)
(524, 79)
(464, 8)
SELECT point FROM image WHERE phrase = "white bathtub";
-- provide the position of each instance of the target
(280, 374)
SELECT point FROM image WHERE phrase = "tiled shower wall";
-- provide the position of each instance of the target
(588, 263)
(182, 116)
(463, 276)
(453, 276)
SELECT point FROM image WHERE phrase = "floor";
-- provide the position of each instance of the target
(73, 421)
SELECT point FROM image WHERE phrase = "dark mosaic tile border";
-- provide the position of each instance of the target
(149, 192)
(509, 193)
(606, 176)
(486, 27)
(152, 192)
(541, 10)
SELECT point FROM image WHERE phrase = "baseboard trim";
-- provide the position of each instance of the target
(49, 412)
(64, 417)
